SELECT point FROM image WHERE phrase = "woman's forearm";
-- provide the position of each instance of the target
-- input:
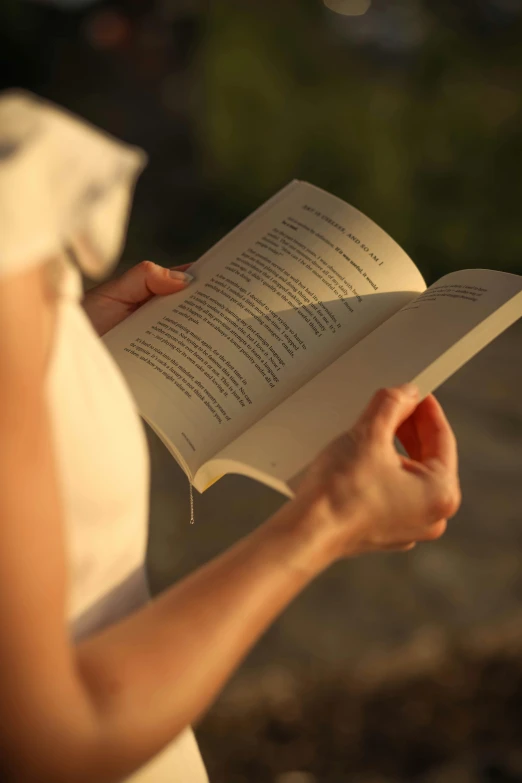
(100, 710)
(156, 672)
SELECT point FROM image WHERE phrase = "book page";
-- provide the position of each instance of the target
(273, 304)
(425, 342)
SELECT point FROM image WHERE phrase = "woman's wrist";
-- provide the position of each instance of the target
(307, 536)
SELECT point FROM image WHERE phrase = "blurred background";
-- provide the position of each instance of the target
(390, 668)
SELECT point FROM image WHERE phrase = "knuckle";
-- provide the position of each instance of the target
(456, 500)
(146, 266)
(436, 531)
(401, 546)
(389, 394)
(447, 501)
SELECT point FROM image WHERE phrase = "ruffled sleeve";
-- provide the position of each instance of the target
(64, 185)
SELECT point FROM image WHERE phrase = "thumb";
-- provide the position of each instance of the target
(387, 410)
(148, 279)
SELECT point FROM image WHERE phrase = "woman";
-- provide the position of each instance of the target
(95, 681)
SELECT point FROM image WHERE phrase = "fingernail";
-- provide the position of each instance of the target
(182, 276)
(409, 389)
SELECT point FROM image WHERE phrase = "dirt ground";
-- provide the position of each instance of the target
(380, 671)
(454, 719)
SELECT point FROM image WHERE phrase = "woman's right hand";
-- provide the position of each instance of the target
(361, 495)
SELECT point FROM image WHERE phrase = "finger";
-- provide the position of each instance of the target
(387, 410)
(409, 437)
(145, 280)
(400, 547)
(181, 267)
(434, 531)
(437, 441)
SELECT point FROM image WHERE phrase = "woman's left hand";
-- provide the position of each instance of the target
(111, 302)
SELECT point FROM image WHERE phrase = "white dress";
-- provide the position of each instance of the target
(65, 185)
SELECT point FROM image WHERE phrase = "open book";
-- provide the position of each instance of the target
(294, 320)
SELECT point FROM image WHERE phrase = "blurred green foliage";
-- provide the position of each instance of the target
(412, 113)
(427, 142)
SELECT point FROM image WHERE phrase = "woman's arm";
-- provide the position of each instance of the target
(43, 703)
(100, 710)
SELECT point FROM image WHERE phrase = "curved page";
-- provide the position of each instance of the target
(274, 303)
(425, 342)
